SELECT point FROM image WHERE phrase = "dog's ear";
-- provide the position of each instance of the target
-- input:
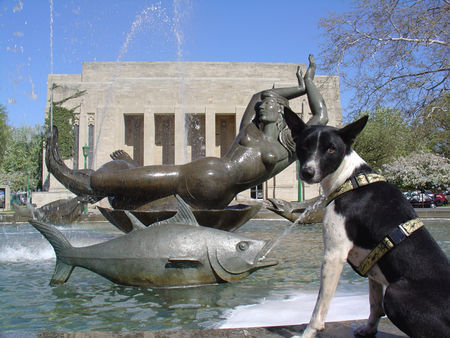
(350, 131)
(295, 123)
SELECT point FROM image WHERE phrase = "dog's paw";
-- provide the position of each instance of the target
(365, 331)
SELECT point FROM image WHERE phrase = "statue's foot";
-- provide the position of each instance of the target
(278, 206)
(124, 156)
(77, 181)
(301, 81)
(311, 71)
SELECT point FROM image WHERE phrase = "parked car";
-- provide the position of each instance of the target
(421, 200)
(441, 198)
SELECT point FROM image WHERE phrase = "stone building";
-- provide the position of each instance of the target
(176, 112)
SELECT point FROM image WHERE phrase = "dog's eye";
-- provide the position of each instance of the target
(331, 150)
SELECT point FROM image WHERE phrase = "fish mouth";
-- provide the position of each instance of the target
(261, 261)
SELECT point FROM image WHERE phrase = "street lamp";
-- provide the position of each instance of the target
(85, 154)
(28, 184)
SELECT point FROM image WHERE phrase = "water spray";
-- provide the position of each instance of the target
(299, 219)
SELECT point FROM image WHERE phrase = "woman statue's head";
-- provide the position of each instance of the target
(271, 108)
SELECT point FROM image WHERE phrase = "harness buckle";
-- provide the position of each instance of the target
(396, 235)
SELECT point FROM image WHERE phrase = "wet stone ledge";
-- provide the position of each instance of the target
(332, 330)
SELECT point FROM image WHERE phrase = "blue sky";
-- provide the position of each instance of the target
(138, 30)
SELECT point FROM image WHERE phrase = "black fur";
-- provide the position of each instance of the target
(417, 270)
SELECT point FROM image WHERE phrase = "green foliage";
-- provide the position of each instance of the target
(22, 158)
(63, 119)
(4, 130)
(386, 137)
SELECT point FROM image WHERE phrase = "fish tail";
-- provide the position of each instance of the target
(59, 243)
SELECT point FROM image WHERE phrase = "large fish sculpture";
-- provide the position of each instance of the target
(173, 252)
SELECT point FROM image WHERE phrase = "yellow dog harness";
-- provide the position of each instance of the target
(355, 182)
(397, 235)
(401, 232)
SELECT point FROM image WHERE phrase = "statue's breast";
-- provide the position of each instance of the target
(251, 136)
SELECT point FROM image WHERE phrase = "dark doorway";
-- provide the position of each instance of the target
(225, 131)
(195, 127)
(165, 136)
(134, 136)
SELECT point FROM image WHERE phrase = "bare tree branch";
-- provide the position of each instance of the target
(391, 52)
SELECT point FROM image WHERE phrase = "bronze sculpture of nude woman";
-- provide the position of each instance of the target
(262, 149)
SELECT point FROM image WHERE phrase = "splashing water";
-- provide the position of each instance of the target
(178, 12)
(36, 213)
(51, 65)
(299, 219)
(146, 15)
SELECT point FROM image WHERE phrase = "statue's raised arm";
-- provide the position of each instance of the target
(288, 93)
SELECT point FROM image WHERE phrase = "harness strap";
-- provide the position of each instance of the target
(355, 182)
(401, 232)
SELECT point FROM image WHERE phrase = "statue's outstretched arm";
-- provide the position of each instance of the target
(288, 92)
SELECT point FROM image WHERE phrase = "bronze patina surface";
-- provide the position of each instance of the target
(228, 219)
(174, 252)
(262, 149)
(293, 210)
(59, 211)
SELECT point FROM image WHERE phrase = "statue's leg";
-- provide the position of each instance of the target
(315, 98)
(77, 181)
(119, 178)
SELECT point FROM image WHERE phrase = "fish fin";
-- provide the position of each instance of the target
(59, 243)
(184, 215)
(135, 222)
(53, 235)
(182, 263)
(62, 273)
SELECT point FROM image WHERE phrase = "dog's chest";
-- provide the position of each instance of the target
(337, 242)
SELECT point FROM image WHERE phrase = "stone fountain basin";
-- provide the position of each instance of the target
(229, 219)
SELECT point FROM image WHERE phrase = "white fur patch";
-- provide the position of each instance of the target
(348, 165)
(335, 237)
(314, 162)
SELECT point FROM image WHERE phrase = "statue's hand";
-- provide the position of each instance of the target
(301, 82)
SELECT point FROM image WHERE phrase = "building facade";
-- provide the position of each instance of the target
(176, 112)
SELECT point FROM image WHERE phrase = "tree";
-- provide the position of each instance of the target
(387, 136)
(432, 126)
(392, 52)
(4, 130)
(421, 171)
(23, 158)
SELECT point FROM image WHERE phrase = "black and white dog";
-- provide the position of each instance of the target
(370, 224)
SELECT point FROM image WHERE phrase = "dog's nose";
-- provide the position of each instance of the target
(307, 173)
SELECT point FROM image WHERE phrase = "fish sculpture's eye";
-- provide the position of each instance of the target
(242, 246)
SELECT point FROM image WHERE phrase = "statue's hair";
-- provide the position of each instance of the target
(280, 99)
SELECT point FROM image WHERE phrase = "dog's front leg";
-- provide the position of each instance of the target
(330, 273)
(376, 310)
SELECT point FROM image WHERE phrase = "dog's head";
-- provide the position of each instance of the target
(321, 149)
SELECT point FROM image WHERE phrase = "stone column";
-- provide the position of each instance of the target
(91, 130)
(76, 147)
(210, 133)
